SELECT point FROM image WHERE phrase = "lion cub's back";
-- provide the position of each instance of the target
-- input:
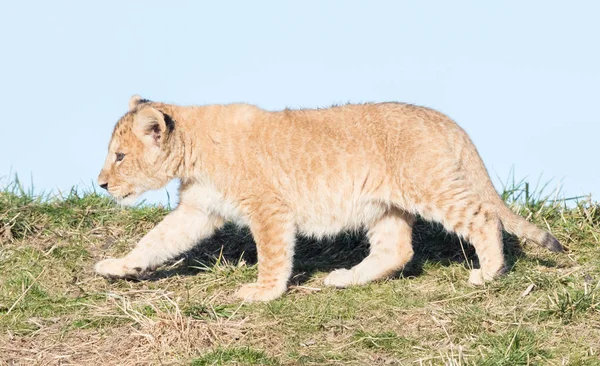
(339, 167)
(342, 167)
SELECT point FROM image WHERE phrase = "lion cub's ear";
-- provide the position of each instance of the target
(149, 126)
(136, 100)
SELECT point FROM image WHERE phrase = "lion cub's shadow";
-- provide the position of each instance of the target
(432, 244)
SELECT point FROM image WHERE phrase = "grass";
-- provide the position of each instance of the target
(53, 309)
(240, 356)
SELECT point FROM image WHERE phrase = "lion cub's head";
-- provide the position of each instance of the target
(139, 153)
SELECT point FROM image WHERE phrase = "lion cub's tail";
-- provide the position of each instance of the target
(512, 222)
(518, 226)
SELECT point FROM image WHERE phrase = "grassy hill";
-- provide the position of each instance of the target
(54, 310)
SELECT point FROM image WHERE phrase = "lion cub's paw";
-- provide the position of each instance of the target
(478, 278)
(117, 268)
(257, 292)
(340, 278)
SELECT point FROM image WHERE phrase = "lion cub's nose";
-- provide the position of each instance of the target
(102, 181)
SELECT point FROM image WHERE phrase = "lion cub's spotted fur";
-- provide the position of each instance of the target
(315, 172)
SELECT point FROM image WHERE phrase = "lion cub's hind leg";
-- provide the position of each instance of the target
(485, 234)
(477, 221)
(390, 238)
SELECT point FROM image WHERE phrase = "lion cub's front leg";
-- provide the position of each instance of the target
(177, 233)
(274, 234)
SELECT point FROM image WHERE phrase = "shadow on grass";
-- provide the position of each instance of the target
(431, 243)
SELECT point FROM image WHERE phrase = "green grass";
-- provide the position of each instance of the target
(512, 348)
(570, 305)
(385, 341)
(239, 356)
(53, 307)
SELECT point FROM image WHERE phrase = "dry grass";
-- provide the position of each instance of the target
(54, 310)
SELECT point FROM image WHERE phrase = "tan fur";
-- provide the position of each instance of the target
(315, 172)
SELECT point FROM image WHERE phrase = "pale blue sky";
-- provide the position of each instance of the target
(521, 77)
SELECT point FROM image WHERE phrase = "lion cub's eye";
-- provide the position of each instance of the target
(120, 156)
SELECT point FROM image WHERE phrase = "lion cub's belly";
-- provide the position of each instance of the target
(326, 220)
(318, 217)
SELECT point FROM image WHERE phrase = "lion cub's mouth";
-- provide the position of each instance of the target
(128, 199)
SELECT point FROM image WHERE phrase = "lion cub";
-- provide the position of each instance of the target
(315, 172)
